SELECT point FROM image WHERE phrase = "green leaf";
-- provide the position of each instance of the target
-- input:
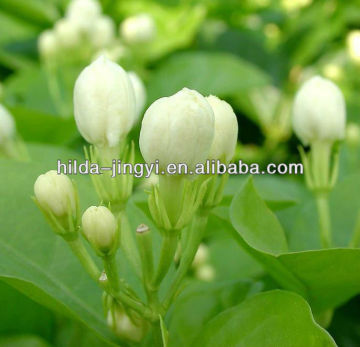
(276, 318)
(318, 275)
(23, 341)
(221, 74)
(259, 226)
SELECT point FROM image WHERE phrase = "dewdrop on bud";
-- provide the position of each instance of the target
(67, 33)
(201, 256)
(104, 103)
(7, 126)
(205, 273)
(103, 32)
(55, 194)
(48, 44)
(138, 29)
(319, 113)
(226, 130)
(177, 129)
(353, 45)
(83, 13)
(100, 229)
(140, 92)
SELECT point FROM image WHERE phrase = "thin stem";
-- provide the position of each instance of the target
(85, 259)
(167, 253)
(196, 233)
(111, 272)
(322, 204)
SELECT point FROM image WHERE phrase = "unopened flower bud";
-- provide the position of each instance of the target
(353, 134)
(48, 44)
(319, 112)
(83, 13)
(201, 256)
(353, 45)
(140, 92)
(177, 129)
(226, 130)
(205, 273)
(104, 103)
(67, 33)
(103, 32)
(100, 229)
(7, 125)
(138, 29)
(132, 329)
(55, 193)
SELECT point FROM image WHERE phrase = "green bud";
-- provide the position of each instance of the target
(100, 229)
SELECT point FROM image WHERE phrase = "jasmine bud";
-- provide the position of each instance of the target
(140, 92)
(226, 130)
(7, 126)
(177, 129)
(319, 113)
(100, 229)
(104, 103)
(138, 29)
(55, 194)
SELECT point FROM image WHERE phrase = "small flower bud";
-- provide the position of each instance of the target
(100, 229)
(353, 45)
(103, 32)
(67, 33)
(205, 273)
(55, 194)
(226, 130)
(177, 129)
(7, 126)
(201, 256)
(104, 103)
(132, 329)
(138, 29)
(83, 13)
(319, 112)
(140, 92)
(48, 44)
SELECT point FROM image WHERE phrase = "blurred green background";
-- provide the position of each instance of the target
(254, 54)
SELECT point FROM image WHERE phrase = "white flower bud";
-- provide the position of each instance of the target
(319, 112)
(353, 45)
(83, 13)
(67, 33)
(205, 273)
(177, 129)
(100, 229)
(54, 193)
(104, 103)
(103, 32)
(124, 327)
(138, 29)
(226, 130)
(201, 256)
(7, 125)
(140, 92)
(48, 44)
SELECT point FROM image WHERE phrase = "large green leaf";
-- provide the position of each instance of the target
(221, 74)
(23, 341)
(276, 318)
(327, 278)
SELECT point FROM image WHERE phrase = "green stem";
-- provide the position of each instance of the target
(85, 259)
(111, 272)
(167, 253)
(355, 241)
(196, 233)
(322, 204)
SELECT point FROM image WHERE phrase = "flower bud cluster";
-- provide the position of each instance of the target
(83, 26)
